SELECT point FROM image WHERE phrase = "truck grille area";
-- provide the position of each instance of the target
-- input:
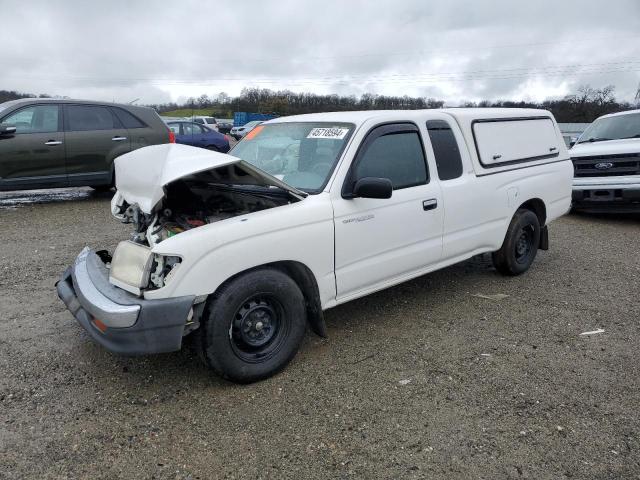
(607, 165)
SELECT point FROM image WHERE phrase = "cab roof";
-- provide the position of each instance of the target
(618, 114)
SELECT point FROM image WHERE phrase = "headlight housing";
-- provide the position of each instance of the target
(130, 266)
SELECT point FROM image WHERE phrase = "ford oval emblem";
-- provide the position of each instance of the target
(603, 165)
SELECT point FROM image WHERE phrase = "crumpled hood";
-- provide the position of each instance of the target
(141, 175)
(607, 147)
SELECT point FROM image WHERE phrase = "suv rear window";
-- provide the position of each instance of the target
(82, 118)
(128, 119)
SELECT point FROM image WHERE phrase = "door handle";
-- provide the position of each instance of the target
(53, 143)
(118, 139)
(429, 204)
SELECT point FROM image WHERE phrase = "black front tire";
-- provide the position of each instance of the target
(520, 244)
(253, 326)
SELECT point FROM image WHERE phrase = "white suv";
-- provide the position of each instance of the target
(606, 159)
(206, 121)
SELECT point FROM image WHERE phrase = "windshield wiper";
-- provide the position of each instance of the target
(592, 139)
(632, 136)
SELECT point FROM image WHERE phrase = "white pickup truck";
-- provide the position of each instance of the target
(308, 212)
(606, 158)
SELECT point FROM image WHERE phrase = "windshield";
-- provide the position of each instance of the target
(612, 128)
(302, 155)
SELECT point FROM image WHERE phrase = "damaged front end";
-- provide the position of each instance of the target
(194, 189)
(163, 191)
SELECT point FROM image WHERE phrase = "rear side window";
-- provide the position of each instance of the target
(396, 156)
(506, 141)
(198, 120)
(127, 119)
(445, 148)
(82, 118)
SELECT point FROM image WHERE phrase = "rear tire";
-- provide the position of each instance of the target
(520, 244)
(253, 326)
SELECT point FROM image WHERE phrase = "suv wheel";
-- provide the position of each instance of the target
(253, 326)
(520, 245)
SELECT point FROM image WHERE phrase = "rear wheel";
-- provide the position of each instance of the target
(520, 244)
(253, 326)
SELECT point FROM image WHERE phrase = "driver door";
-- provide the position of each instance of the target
(379, 242)
(33, 156)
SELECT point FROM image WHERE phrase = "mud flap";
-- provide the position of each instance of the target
(316, 322)
(544, 238)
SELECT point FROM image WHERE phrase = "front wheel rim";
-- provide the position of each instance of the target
(258, 328)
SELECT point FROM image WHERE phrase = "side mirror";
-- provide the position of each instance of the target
(7, 129)
(373, 187)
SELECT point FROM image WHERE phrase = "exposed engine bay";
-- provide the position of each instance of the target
(194, 202)
(179, 205)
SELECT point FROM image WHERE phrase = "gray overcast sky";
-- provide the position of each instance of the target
(455, 50)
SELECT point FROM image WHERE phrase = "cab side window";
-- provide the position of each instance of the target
(394, 152)
(81, 118)
(35, 119)
(445, 148)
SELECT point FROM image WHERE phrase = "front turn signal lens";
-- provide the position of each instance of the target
(99, 325)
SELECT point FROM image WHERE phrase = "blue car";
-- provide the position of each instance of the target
(196, 135)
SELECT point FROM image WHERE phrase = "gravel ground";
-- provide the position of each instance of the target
(424, 380)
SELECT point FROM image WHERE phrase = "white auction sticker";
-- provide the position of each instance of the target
(332, 132)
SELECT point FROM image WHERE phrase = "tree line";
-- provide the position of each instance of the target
(6, 95)
(585, 105)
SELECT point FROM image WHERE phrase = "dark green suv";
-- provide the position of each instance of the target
(47, 143)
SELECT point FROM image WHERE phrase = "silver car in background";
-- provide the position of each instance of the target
(239, 132)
